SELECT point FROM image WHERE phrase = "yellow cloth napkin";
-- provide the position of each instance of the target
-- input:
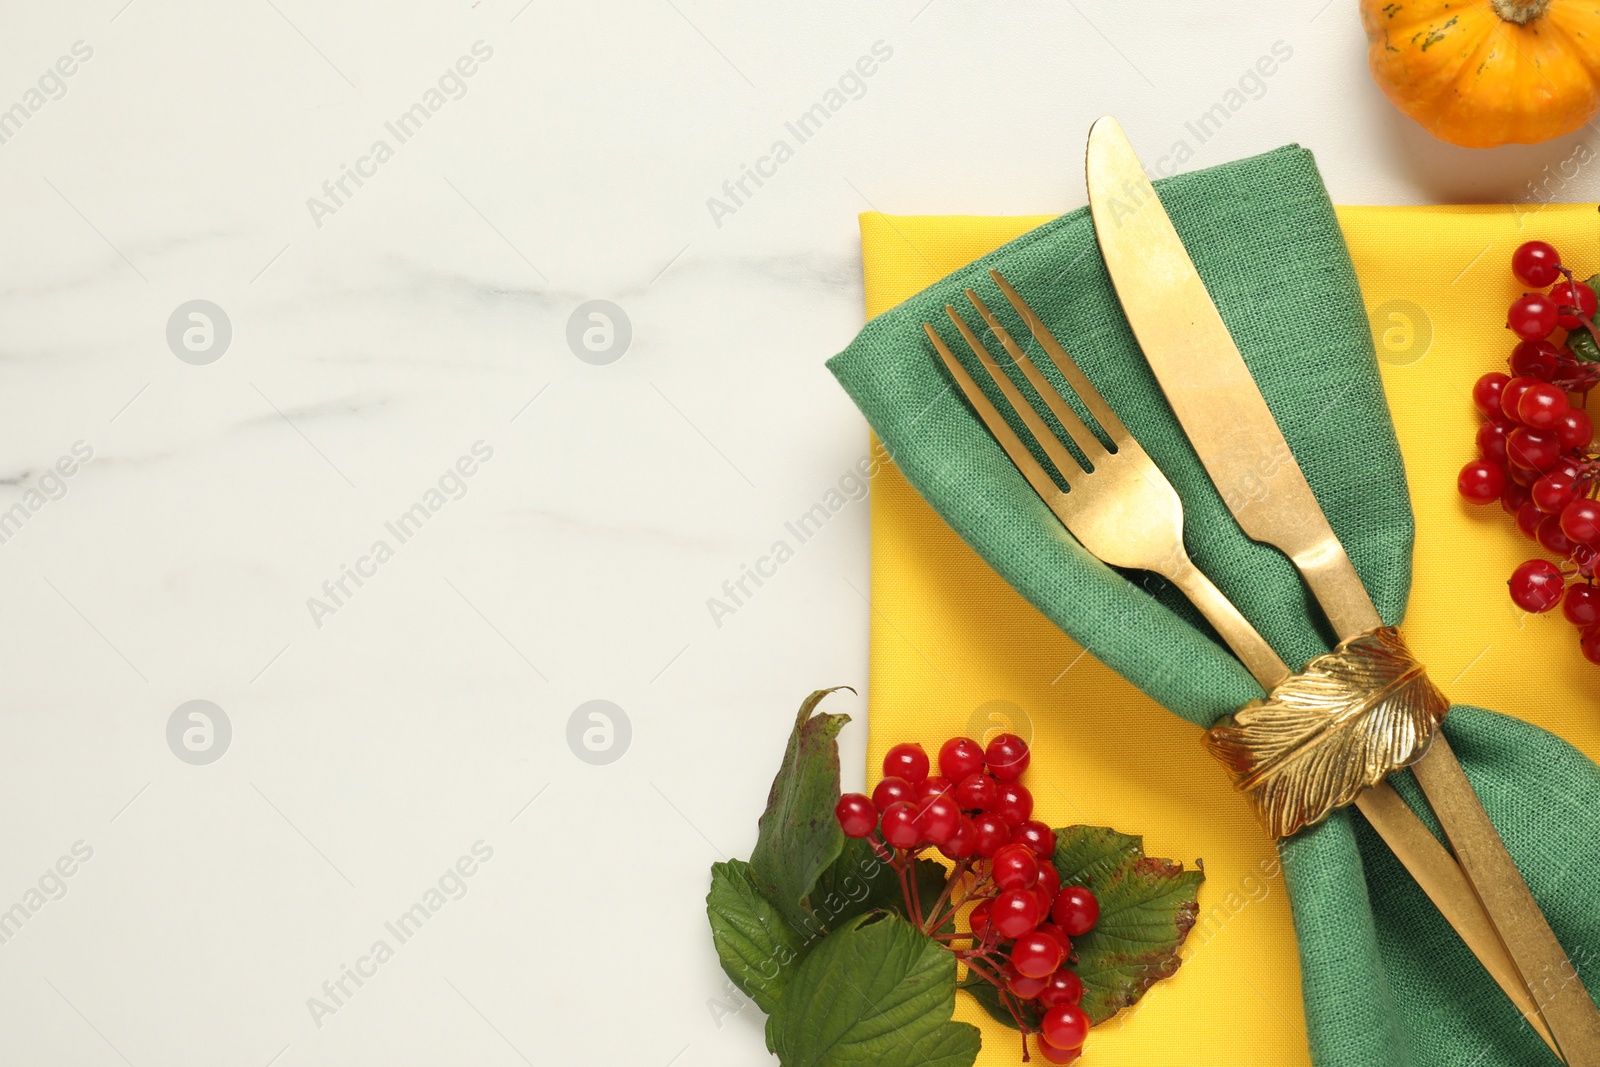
(955, 650)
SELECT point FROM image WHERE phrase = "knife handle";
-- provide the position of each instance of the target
(1560, 997)
(1435, 870)
(1545, 967)
(1439, 876)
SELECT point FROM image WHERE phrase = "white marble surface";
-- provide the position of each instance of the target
(372, 346)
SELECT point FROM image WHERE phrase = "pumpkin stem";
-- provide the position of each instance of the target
(1520, 12)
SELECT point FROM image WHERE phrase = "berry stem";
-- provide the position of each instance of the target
(905, 889)
(1006, 999)
(1577, 312)
(968, 893)
(916, 897)
(935, 919)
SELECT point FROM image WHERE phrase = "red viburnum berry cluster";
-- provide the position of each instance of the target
(979, 816)
(1536, 449)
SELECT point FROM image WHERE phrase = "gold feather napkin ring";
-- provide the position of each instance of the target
(1339, 726)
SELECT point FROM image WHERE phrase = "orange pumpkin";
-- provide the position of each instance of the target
(1482, 73)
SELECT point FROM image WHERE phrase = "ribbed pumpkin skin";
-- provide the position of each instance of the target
(1474, 79)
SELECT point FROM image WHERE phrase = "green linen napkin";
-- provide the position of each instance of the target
(1386, 981)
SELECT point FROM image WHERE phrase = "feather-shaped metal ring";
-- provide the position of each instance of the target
(1341, 725)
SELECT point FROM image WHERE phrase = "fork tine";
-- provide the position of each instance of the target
(1063, 412)
(1067, 366)
(1065, 461)
(1021, 458)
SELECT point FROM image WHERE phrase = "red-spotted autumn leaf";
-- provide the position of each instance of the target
(1147, 908)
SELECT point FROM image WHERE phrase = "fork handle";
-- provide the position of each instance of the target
(1247, 644)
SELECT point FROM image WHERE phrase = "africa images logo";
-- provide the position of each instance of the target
(736, 192)
(452, 85)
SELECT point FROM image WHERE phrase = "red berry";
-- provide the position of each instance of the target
(1519, 475)
(1532, 317)
(1486, 393)
(1516, 494)
(1589, 644)
(1051, 1054)
(960, 844)
(900, 825)
(1065, 987)
(1013, 803)
(1541, 406)
(977, 792)
(1533, 449)
(1065, 1026)
(1580, 296)
(1536, 263)
(1049, 880)
(892, 789)
(1006, 757)
(937, 819)
(1076, 910)
(1573, 465)
(1536, 585)
(1015, 912)
(959, 757)
(1535, 359)
(1575, 430)
(1511, 396)
(1551, 538)
(1492, 442)
(1481, 481)
(857, 817)
(1580, 520)
(1015, 867)
(1037, 836)
(906, 760)
(1046, 898)
(978, 921)
(1037, 955)
(1050, 929)
(1023, 986)
(936, 786)
(1553, 491)
(1528, 519)
(993, 835)
(1582, 606)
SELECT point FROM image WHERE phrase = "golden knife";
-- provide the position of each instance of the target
(1221, 408)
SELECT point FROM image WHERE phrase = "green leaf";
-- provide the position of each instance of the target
(757, 948)
(1088, 855)
(859, 882)
(799, 837)
(1147, 908)
(1583, 345)
(874, 993)
(854, 884)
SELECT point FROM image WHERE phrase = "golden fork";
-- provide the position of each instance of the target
(1121, 508)
(1125, 512)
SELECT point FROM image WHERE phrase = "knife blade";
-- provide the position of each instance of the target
(1207, 383)
(1222, 410)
